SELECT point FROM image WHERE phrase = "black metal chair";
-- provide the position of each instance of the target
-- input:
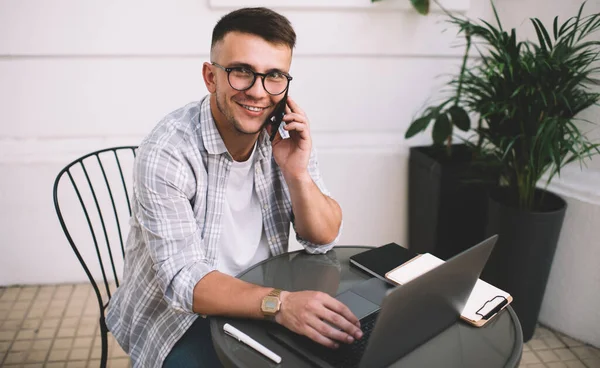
(98, 185)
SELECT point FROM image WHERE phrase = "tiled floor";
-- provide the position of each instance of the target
(53, 326)
(57, 326)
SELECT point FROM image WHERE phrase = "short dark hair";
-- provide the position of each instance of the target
(263, 22)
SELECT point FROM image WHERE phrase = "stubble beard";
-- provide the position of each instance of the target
(225, 109)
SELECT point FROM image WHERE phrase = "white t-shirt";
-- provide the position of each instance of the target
(243, 241)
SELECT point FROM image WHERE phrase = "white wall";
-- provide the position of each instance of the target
(82, 75)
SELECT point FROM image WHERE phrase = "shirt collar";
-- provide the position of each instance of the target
(212, 138)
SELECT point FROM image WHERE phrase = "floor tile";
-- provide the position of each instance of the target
(529, 357)
(21, 345)
(55, 365)
(11, 325)
(42, 344)
(570, 342)
(7, 335)
(66, 332)
(36, 356)
(4, 345)
(78, 364)
(537, 344)
(31, 324)
(556, 365)
(10, 294)
(14, 357)
(50, 323)
(33, 365)
(565, 354)
(553, 342)
(21, 305)
(36, 313)
(62, 343)
(83, 342)
(583, 352)
(70, 322)
(46, 333)
(541, 332)
(26, 335)
(86, 331)
(17, 314)
(28, 293)
(592, 363)
(80, 354)
(55, 313)
(45, 293)
(58, 355)
(547, 356)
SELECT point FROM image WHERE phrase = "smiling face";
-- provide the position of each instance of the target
(244, 112)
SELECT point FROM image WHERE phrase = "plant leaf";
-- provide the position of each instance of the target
(442, 129)
(460, 118)
(418, 126)
(422, 6)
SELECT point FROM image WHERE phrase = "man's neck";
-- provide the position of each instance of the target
(239, 145)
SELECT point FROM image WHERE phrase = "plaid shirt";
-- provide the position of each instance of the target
(179, 182)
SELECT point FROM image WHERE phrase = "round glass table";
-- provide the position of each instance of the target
(497, 344)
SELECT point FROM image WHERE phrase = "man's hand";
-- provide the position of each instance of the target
(292, 154)
(307, 313)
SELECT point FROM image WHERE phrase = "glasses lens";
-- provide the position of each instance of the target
(276, 83)
(241, 79)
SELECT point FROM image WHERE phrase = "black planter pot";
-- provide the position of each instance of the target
(522, 257)
(447, 201)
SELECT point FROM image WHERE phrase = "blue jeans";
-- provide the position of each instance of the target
(194, 349)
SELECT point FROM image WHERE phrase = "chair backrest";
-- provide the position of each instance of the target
(92, 201)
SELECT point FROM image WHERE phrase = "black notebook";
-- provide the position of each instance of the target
(380, 260)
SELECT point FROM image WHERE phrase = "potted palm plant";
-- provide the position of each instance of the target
(527, 96)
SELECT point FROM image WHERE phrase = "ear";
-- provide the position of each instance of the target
(209, 77)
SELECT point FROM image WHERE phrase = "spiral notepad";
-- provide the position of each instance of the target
(484, 302)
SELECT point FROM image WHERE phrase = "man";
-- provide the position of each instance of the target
(213, 195)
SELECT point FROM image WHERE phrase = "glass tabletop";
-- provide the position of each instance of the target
(497, 344)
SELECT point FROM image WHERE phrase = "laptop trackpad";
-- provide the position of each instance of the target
(358, 305)
(373, 289)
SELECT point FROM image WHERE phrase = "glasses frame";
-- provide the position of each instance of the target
(254, 74)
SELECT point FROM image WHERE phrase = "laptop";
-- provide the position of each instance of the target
(405, 317)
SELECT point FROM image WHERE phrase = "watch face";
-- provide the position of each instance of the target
(270, 304)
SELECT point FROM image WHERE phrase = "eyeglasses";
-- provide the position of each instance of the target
(242, 79)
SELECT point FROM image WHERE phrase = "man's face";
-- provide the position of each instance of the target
(246, 111)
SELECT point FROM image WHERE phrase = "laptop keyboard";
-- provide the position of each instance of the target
(349, 355)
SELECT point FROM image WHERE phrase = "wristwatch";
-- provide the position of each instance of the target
(271, 304)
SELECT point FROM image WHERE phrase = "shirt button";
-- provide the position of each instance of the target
(265, 207)
(272, 239)
(258, 170)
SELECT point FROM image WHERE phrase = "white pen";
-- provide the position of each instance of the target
(240, 336)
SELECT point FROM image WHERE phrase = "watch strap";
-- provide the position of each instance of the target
(275, 292)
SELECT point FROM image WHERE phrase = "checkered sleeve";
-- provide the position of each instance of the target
(164, 186)
(313, 170)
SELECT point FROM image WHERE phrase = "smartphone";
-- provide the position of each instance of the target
(277, 117)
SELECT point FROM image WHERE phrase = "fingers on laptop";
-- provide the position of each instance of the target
(343, 317)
